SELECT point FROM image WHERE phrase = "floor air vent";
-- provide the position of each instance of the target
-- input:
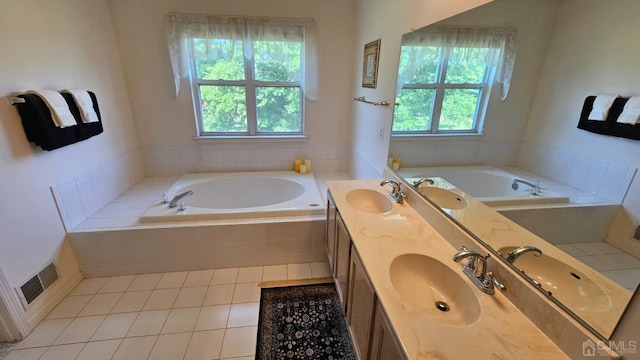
(37, 284)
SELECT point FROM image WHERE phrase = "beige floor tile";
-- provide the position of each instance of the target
(100, 304)
(115, 326)
(212, 317)
(298, 271)
(250, 274)
(224, 276)
(191, 296)
(205, 345)
(45, 333)
(320, 269)
(246, 292)
(145, 282)
(181, 320)
(131, 301)
(198, 278)
(81, 329)
(69, 307)
(117, 284)
(89, 286)
(135, 348)
(243, 315)
(148, 323)
(25, 354)
(172, 280)
(99, 350)
(161, 299)
(274, 272)
(63, 352)
(239, 342)
(170, 347)
(219, 294)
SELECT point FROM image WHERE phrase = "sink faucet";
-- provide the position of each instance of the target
(418, 182)
(515, 253)
(484, 280)
(396, 193)
(535, 188)
(174, 202)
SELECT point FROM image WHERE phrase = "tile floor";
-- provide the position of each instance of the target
(206, 314)
(608, 260)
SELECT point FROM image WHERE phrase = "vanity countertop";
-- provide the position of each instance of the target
(501, 330)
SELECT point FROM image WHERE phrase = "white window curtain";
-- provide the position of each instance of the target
(501, 42)
(182, 27)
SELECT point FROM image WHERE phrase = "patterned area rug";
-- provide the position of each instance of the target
(302, 322)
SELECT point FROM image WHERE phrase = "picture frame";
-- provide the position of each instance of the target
(370, 64)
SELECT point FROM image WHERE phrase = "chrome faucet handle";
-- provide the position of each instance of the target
(496, 283)
(165, 199)
(182, 207)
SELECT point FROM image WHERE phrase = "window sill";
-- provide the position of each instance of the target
(251, 139)
(435, 136)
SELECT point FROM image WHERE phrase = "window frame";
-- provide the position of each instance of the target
(250, 85)
(439, 87)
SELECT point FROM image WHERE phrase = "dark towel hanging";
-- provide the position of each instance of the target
(39, 127)
(609, 126)
(85, 130)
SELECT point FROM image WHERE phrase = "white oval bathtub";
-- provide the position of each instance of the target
(240, 195)
(487, 184)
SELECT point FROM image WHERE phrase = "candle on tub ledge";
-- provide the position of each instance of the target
(303, 169)
(296, 165)
(307, 163)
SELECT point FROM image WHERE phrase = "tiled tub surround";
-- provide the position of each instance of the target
(114, 242)
(204, 314)
(567, 333)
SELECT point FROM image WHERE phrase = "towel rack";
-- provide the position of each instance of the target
(384, 103)
(16, 100)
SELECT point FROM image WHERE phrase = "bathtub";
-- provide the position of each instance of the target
(488, 184)
(240, 195)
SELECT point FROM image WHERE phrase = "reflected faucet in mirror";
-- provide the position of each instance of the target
(421, 181)
(515, 253)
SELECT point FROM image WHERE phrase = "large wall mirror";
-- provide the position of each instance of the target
(455, 124)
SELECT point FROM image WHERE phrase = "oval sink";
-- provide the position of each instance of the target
(434, 290)
(369, 201)
(444, 198)
(565, 283)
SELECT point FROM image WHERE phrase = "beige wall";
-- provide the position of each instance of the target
(379, 19)
(166, 126)
(52, 45)
(594, 50)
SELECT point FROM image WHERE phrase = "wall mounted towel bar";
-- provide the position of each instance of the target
(15, 100)
(384, 103)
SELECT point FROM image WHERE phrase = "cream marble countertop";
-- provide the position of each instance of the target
(499, 232)
(501, 331)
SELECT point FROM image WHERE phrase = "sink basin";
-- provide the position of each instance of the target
(444, 198)
(369, 201)
(434, 290)
(565, 283)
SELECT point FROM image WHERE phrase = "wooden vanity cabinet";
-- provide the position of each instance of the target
(384, 344)
(338, 246)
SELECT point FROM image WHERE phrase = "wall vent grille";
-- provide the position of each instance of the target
(38, 283)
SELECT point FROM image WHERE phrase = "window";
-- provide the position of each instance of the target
(249, 76)
(445, 76)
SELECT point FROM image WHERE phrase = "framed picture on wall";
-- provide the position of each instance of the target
(370, 65)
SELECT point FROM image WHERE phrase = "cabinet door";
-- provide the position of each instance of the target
(362, 299)
(330, 243)
(384, 345)
(343, 248)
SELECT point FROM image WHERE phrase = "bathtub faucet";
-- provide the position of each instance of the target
(535, 188)
(174, 202)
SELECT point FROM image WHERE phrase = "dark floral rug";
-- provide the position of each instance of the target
(302, 322)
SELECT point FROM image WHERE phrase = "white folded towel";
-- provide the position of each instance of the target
(85, 105)
(601, 107)
(631, 112)
(59, 108)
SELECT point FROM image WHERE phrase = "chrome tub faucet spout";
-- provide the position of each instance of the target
(534, 188)
(174, 202)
